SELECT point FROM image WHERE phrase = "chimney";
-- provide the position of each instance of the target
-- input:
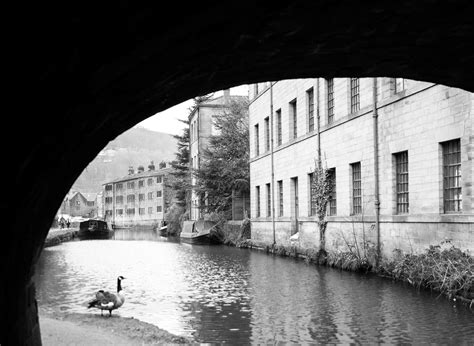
(140, 169)
(226, 96)
(151, 166)
(130, 170)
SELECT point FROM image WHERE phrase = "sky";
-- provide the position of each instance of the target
(167, 121)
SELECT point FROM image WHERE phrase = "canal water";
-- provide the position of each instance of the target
(223, 294)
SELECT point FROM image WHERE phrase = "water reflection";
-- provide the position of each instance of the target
(222, 294)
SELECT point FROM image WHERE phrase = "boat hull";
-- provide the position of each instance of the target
(164, 231)
(205, 239)
(84, 235)
(199, 232)
(94, 229)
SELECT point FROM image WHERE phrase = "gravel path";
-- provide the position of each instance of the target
(93, 329)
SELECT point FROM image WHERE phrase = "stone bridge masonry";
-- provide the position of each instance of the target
(86, 72)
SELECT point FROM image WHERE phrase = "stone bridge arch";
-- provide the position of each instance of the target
(90, 72)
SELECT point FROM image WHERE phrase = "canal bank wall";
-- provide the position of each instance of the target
(443, 268)
(57, 236)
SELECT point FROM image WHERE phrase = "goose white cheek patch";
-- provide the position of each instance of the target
(108, 305)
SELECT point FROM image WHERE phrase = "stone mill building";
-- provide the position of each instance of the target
(400, 153)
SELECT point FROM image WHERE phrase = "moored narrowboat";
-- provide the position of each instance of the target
(94, 229)
(200, 232)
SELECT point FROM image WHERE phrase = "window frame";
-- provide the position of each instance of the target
(330, 99)
(356, 190)
(354, 85)
(279, 127)
(402, 205)
(310, 108)
(452, 172)
(293, 111)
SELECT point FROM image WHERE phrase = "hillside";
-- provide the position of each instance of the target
(137, 146)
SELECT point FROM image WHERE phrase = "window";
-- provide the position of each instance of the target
(119, 212)
(130, 185)
(108, 199)
(256, 89)
(119, 186)
(294, 190)
(312, 196)
(159, 179)
(401, 171)
(108, 212)
(140, 183)
(141, 211)
(150, 195)
(119, 199)
(108, 187)
(332, 210)
(257, 195)
(356, 189)
(159, 193)
(141, 197)
(399, 85)
(257, 149)
(355, 96)
(269, 200)
(149, 181)
(131, 211)
(131, 199)
(266, 123)
(330, 84)
(310, 101)
(280, 197)
(150, 210)
(278, 120)
(452, 194)
(293, 117)
(159, 208)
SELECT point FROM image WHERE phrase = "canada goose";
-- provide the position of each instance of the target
(108, 301)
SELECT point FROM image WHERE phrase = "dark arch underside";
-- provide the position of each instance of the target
(88, 72)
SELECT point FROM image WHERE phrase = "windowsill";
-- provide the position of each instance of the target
(408, 218)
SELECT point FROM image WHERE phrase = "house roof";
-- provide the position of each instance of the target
(144, 174)
(90, 196)
(217, 102)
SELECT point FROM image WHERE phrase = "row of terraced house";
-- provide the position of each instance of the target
(138, 199)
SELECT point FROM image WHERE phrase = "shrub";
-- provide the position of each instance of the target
(449, 271)
(174, 217)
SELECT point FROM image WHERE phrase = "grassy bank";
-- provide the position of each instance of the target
(442, 268)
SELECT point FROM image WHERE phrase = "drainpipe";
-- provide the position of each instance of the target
(319, 121)
(114, 191)
(376, 169)
(273, 168)
(198, 153)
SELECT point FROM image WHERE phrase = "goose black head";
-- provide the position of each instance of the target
(119, 283)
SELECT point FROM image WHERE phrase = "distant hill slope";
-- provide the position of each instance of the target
(137, 146)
